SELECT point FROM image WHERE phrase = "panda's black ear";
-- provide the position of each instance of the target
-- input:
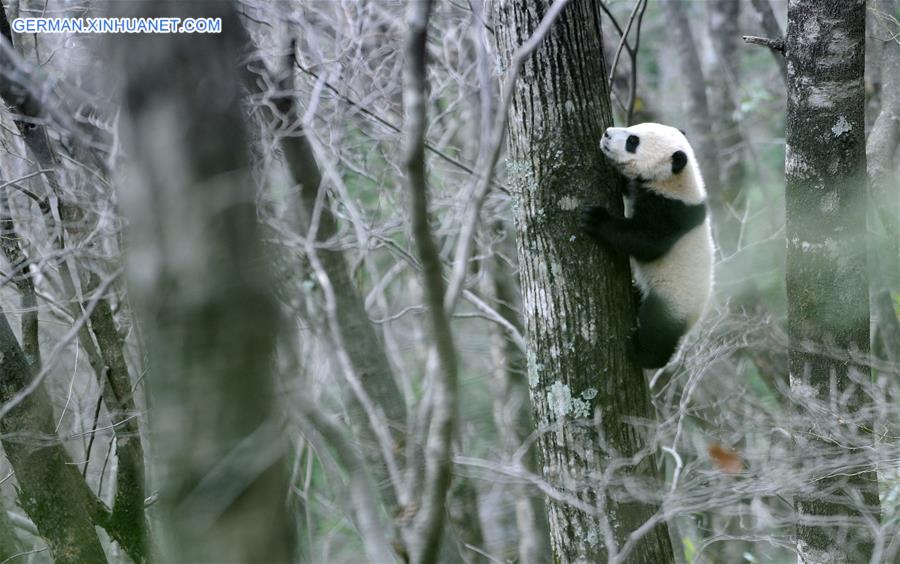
(683, 132)
(679, 161)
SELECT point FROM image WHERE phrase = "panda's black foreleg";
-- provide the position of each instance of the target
(657, 334)
(624, 235)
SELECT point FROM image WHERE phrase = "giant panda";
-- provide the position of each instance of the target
(666, 232)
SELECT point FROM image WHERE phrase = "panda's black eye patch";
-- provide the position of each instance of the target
(631, 144)
(679, 161)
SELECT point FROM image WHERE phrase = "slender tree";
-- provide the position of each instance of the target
(577, 299)
(826, 275)
(424, 534)
(882, 166)
(696, 102)
(723, 16)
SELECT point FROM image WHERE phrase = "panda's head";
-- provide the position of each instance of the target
(648, 151)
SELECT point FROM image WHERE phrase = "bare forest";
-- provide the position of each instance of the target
(320, 285)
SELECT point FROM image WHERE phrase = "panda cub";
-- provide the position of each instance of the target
(666, 232)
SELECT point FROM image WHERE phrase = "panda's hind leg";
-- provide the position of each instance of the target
(657, 334)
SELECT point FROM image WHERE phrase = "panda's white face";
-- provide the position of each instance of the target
(649, 151)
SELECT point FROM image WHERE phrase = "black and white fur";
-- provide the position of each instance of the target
(666, 232)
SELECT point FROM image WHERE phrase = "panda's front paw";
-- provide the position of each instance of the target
(592, 218)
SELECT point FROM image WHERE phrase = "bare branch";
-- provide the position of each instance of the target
(40, 99)
(776, 45)
(366, 355)
(770, 26)
(480, 191)
(377, 118)
(363, 492)
(428, 522)
(632, 93)
(623, 41)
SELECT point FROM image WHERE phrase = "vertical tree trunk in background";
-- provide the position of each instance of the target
(364, 347)
(358, 336)
(826, 275)
(725, 70)
(884, 139)
(577, 298)
(199, 278)
(723, 31)
(882, 167)
(699, 131)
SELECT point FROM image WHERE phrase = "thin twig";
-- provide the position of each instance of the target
(776, 45)
(770, 26)
(87, 454)
(362, 491)
(372, 115)
(623, 41)
(632, 94)
(480, 192)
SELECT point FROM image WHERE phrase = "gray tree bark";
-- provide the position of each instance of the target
(578, 302)
(200, 281)
(826, 275)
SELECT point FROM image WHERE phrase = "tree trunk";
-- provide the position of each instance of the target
(51, 491)
(578, 302)
(826, 275)
(200, 280)
(724, 73)
(882, 168)
(700, 125)
(358, 337)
